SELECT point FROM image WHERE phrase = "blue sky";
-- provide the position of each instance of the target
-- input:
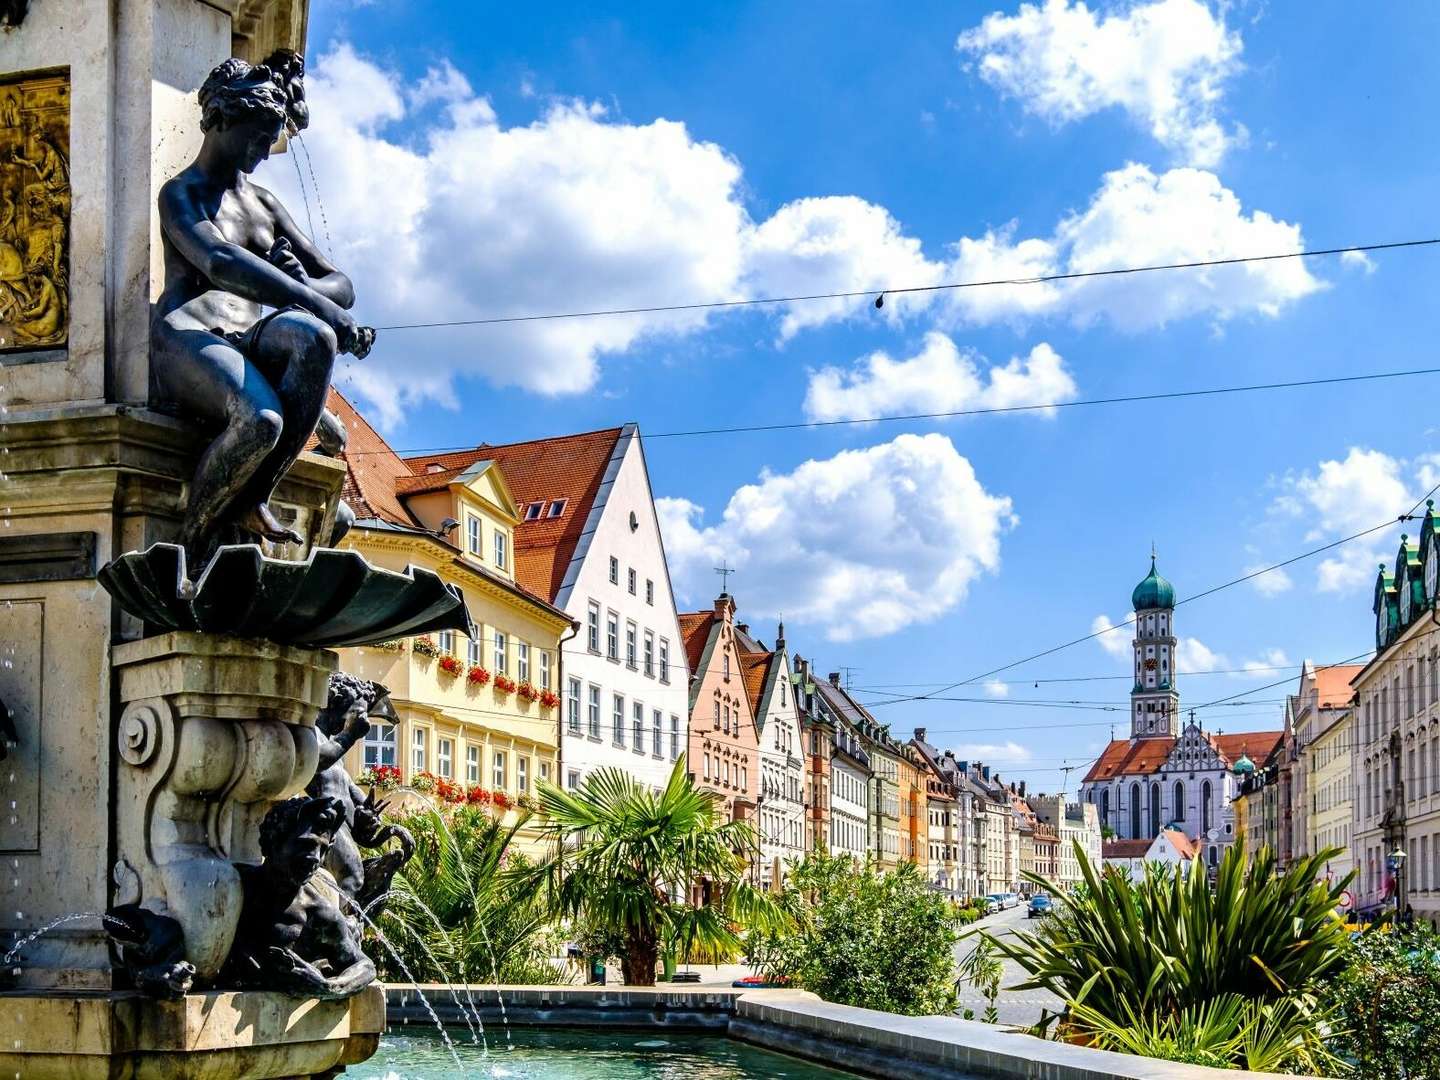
(473, 160)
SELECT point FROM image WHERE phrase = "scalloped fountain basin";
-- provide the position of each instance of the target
(331, 600)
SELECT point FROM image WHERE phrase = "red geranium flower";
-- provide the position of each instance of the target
(477, 675)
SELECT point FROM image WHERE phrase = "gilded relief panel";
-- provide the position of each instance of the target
(34, 212)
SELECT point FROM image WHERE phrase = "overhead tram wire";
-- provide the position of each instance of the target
(1043, 279)
(1188, 599)
(956, 413)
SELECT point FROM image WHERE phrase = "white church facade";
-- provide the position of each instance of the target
(1169, 774)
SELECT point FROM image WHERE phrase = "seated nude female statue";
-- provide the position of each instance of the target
(256, 381)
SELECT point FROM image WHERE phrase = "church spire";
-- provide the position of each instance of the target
(1155, 703)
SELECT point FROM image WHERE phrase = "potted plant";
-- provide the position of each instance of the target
(526, 691)
(477, 675)
(425, 646)
(549, 699)
(450, 664)
(504, 684)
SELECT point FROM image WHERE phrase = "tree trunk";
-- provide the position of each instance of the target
(637, 966)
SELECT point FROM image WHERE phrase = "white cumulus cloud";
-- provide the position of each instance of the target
(1007, 753)
(440, 212)
(1346, 496)
(996, 688)
(1191, 654)
(1164, 63)
(859, 545)
(1272, 583)
(941, 377)
(1141, 218)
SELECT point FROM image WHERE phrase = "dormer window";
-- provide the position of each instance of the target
(472, 534)
(557, 507)
(501, 549)
(532, 512)
(434, 467)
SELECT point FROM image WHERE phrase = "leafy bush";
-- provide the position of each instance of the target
(861, 937)
(454, 916)
(1387, 1005)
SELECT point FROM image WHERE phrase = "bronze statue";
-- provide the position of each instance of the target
(297, 932)
(231, 251)
(343, 722)
(152, 950)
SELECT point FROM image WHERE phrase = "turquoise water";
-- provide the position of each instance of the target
(583, 1055)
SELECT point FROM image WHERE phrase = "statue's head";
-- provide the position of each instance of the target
(246, 108)
(296, 835)
(350, 698)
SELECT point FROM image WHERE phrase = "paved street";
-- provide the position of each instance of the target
(1021, 1007)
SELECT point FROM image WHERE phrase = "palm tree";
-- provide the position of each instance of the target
(453, 911)
(624, 857)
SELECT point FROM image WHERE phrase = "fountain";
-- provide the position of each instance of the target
(184, 858)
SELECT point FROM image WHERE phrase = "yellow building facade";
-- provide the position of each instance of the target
(475, 717)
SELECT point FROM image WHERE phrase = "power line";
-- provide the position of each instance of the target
(880, 292)
(1197, 596)
(955, 413)
(1254, 668)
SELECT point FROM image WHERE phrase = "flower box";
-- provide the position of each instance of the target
(388, 646)
(549, 699)
(477, 675)
(477, 796)
(500, 799)
(504, 684)
(526, 691)
(425, 646)
(381, 777)
(450, 664)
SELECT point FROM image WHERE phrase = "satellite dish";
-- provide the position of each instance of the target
(1213, 834)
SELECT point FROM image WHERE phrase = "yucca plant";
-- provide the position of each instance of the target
(624, 858)
(454, 915)
(1171, 941)
(1229, 1030)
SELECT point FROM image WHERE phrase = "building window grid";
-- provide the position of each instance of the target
(592, 706)
(572, 705)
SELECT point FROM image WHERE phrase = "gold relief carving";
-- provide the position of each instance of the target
(34, 212)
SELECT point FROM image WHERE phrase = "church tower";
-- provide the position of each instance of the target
(1154, 703)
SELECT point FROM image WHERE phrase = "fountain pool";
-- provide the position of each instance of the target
(585, 1055)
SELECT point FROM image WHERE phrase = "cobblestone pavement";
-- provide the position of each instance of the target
(1019, 1007)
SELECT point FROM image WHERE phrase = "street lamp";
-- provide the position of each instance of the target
(1396, 861)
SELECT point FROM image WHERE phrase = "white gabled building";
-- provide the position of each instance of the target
(780, 810)
(589, 542)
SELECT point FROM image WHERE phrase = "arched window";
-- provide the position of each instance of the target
(1154, 809)
(1134, 811)
(1205, 806)
(1105, 806)
(1179, 814)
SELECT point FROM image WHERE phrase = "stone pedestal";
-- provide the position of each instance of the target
(240, 1036)
(213, 731)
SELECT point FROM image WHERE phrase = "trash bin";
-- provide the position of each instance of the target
(597, 971)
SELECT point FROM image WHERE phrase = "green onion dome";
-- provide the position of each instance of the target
(1153, 592)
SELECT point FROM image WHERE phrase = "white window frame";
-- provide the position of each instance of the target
(592, 710)
(544, 669)
(612, 635)
(632, 645)
(637, 726)
(472, 535)
(632, 581)
(472, 650)
(419, 750)
(446, 641)
(674, 737)
(617, 719)
(664, 660)
(650, 591)
(649, 654)
(657, 733)
(444, 757)
(381, 737)
(502, 653)
(522, 774)
(592, 627)
(522, 660)
(497, 769)
(501, 549)
(572, 705)
(472, 765)
(614, 570)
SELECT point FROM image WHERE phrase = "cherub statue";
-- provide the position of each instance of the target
(255, 378)
(297, 932)
(343, 722)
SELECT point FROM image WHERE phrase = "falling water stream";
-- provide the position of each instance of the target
(34, 935)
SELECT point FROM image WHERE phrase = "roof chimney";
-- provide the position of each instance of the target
(1022, 789)
(743, 627)
(834, 678)
(919, 734)
(985, 772)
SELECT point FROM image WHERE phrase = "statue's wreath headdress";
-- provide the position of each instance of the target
(236, 91)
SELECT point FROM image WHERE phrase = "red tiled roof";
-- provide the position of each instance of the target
(1124, 849)
(756, 669)
(1187, 847)
(566, 467)
(1139, 757)
(1332, 685)
(371, 467)
(695, 632)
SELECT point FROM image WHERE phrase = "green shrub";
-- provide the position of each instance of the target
(862, 937)
(1387, 1005)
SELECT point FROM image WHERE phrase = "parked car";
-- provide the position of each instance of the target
(994, 902)
(1039, 906)
(1011, 900)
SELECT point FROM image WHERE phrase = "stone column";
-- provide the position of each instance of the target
(211, 732)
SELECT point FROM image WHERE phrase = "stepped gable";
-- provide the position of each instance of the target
(695, 632)
(1141, 757)
(372, 468)
(567, 470)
